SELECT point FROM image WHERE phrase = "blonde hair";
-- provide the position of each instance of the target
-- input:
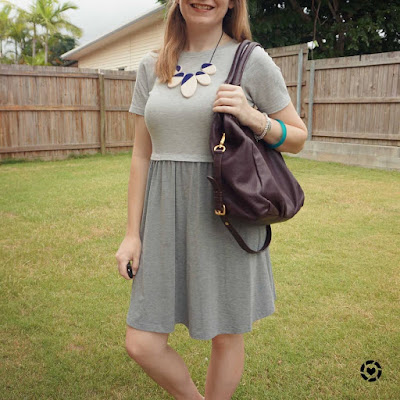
(235, 24)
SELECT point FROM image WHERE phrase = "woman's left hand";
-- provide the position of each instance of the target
(231, 99)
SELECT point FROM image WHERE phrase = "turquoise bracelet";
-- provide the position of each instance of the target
(282, 139)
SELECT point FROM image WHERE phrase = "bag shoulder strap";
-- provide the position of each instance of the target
(239, 62)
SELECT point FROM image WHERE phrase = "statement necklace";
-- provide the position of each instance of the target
(189, 81)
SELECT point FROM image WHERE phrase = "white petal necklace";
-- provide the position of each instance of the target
(189, 81)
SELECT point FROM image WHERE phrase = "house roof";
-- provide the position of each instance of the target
(141, 21)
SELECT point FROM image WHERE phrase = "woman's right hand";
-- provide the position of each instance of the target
(130, 249)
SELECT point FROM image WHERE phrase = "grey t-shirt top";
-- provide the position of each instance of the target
(179, 127)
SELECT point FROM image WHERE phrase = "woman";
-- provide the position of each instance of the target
(188, 268)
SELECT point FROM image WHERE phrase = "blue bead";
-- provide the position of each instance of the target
(179, 74)
(186, 78)
(200, 73)
(205, 65)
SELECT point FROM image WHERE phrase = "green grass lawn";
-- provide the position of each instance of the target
(63, 303)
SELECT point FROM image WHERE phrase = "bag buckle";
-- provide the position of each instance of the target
(218, 212)
(221, 144)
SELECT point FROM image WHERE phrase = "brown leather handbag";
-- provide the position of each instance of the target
(250, 180)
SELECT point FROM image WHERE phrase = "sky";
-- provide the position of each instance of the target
(97, 18)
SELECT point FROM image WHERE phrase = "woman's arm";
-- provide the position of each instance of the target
(296, 129)
(231, 99)
(141, 153)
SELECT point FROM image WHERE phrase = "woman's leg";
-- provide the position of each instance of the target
(163, 364)
(226, 366)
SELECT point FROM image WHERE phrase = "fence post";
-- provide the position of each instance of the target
(299, 81)
(310, 100)
(102, 113)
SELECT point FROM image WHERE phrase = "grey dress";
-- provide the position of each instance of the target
(191, 269)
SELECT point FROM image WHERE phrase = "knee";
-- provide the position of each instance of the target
(227, 340)
(142, 344)
(135, 348)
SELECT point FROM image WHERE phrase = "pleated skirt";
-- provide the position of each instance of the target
(191, 269)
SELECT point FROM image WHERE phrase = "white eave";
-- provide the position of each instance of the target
(140, 22)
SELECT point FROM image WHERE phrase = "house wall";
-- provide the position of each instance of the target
(126, 51)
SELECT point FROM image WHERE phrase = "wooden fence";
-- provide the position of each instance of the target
(50, 112)
(292, 60)
(356, 99)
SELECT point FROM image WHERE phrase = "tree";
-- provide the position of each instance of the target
(17, 32)
(60, 44)
(5, 22)
(52, 20)
(341, 28)
(46, 14)
(34, 18)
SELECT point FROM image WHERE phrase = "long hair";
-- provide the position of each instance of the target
(235, 24)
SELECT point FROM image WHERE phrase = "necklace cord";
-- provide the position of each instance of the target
(216, 46)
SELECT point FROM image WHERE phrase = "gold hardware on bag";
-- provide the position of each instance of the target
(220, 212)
(221, 144)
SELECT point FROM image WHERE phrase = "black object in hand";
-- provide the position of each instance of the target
(129, 269)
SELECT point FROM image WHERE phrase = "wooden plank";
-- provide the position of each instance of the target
(294, 83)
(392, 118)
(323, 64)
(49, 74)
(288, 50)
(62, 108)
(299, 81)
(356, 100)
(61, 146)
(358, 135)
(310, 103)
(102, 105)
(363, 110)
(121, 77)
(76, 73)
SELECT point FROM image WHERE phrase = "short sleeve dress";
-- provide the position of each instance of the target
(191, 269)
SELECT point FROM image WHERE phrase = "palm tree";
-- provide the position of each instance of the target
(18, 32)
(5, 22)
(52, 20)
(47, 14)
(34, 18)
